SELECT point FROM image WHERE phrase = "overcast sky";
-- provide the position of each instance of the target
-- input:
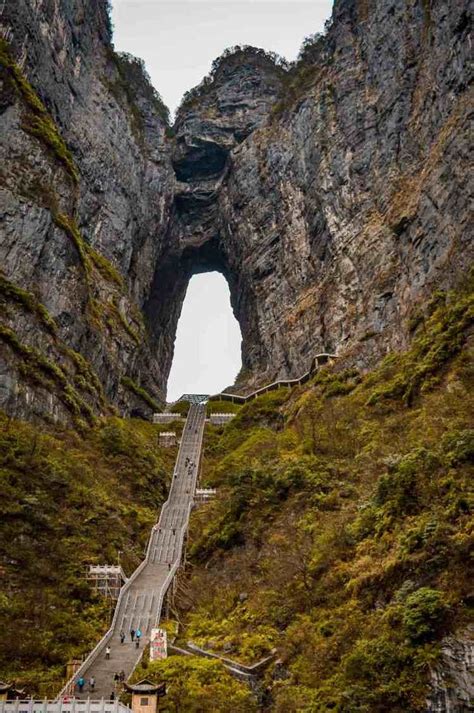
(178, 41)
(207, 349)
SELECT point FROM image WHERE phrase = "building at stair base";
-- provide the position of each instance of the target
(141, 600)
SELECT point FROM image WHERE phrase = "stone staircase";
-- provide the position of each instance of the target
(141, 599)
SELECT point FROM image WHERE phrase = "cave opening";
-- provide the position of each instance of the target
(207, 348)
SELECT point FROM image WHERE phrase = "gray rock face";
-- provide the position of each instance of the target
(452, 683)
(342, 211)
(332, 196)
(115, 128)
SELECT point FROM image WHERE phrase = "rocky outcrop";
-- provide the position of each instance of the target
(452, 682)
(332, 195)
(339, 214)
(214, 119)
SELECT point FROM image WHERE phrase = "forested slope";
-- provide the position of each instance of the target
(67, 500)
(342, 528)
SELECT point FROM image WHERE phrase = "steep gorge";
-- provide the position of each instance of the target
(332, 196)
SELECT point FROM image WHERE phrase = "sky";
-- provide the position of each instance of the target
(178, 40)
(207, 349)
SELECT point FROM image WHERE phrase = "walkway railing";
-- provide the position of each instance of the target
(69, 687)
(318, 360)
(60, 706)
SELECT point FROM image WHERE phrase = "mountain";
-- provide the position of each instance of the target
(332, 193)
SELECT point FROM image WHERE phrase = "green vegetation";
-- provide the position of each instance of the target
(67, 501)
(11, 292)
(37, 120)
(441, 340)
(235, 55)
(38, 369)
(105, 267)
(360, 493)
(131, 331)
(131, 82)
(68, 224)
(88, 255)
(181, 407)
(141, 393)
(195, 684)
(85, 377)
(310, 67)
(222, 407)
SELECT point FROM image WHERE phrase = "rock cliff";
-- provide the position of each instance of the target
(86, 190)
(331, 194)
(452, 682)
(339, 214)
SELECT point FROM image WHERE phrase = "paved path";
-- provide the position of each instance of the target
(140, 602)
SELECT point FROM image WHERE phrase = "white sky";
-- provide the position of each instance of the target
(178, 40)
(207, 349)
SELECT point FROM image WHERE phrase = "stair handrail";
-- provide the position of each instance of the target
(70, 683)
(226, 395)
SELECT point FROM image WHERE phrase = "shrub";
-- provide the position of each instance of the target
(399, 489)
(424, 613)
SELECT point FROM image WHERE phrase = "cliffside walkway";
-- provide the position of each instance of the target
(141, 598)
(317, 361)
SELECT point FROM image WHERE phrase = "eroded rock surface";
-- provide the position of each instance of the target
(452, 682)
(332, 196)
(114, 126)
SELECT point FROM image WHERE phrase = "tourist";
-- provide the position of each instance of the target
(122, 675)
(92, 683)
(132, 634)
(116, 677)
(138, 634)
(107, 652)
(122, 637)
(112, 696)
(80, 684)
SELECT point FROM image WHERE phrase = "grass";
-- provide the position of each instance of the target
(88, 255)
(86, 377)
(105, 267)
(69, 226)
(67, 501)
(222, 407)
(37, 121)
(442, 339)
(37, 368)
